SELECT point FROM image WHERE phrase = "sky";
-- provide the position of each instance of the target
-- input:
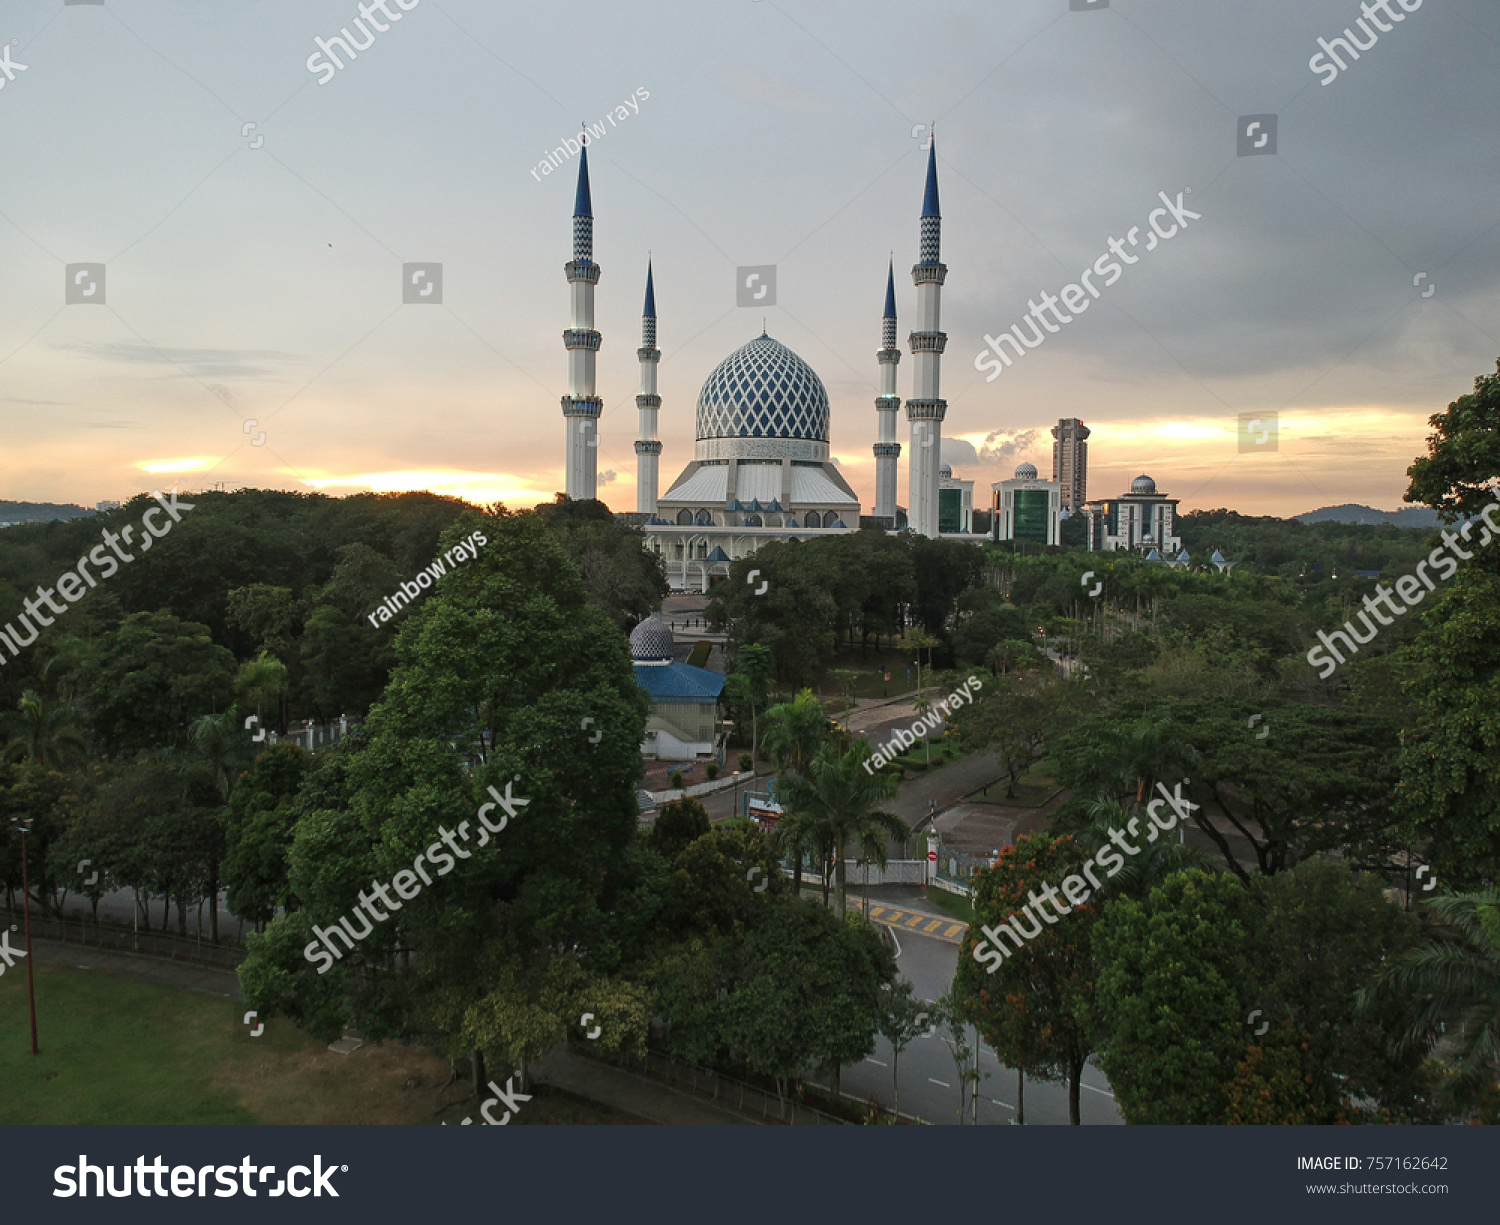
(1339, 290)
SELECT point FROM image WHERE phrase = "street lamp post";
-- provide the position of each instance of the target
(23, 827)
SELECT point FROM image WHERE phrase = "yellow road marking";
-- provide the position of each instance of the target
(893, 916)
(876, 911)
(914, 920)
(954, 930)
(933, 926)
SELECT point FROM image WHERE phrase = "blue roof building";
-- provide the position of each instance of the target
(684, 720)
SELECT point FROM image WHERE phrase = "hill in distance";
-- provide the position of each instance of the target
(1350, 512)
(26, 512)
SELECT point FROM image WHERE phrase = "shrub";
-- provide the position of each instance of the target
(711, 770)
(747, 763)
(676, 779)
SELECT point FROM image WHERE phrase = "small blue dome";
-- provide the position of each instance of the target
(651, 641)
(1142, 485)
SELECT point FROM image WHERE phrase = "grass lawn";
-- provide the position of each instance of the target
(955, 905)
(118, 1050)
(1032, 791)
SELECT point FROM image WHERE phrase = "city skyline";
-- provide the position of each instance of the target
(255, 246)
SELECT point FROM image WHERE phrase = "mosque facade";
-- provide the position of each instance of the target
(762, 467)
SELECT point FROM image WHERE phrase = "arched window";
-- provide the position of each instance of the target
(704, 519)
(684, 518)
(753, 521)
(813, 520)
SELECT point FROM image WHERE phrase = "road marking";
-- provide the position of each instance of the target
(998, 1102)
(954, 930)
(876, 1062)
(876, 911)
(933, 926)
(944, 1083)
(1091, 1089)
(893, 916)
(914, 920)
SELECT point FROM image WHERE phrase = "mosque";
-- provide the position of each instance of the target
(762, 467)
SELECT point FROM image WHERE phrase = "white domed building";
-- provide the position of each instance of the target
(1027, 508)
(760, 470)
(761, 467)
(1140, 521)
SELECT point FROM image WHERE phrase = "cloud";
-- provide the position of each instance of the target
(607, 477)
(1001, 445)
(957, 451)
(194, 363)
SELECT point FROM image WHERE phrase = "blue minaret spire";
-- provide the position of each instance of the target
(932, 217)
(887, 449)
(647, 446)
(583, 213)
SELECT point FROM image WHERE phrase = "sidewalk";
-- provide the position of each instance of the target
(134, 965)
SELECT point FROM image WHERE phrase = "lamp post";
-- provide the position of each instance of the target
(23, 827)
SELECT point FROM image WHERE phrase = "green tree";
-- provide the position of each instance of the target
(903, 1018)
(1014, 717)
(749, 684)
(142, 683)
(497, 669)
(1172, 1033)
(1035, 1006)
(678, 824)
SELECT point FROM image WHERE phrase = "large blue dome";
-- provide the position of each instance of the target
(763, 390)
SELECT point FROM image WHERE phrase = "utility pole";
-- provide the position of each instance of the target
(24, 828)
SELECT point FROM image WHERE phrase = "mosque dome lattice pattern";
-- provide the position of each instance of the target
(763, 390)
(651, 640)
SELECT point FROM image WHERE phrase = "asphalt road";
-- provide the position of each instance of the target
(930, 965)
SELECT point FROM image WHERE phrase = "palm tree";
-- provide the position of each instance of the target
(1139, 755)
(42, 731)
(260, 682)
(922, 706)
(795, 731)
(216, 746)
(1157, 860)
(841, 798)
(1451, 986)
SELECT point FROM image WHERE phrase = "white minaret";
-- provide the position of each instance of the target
(926, 410)
(581, 407)
(647, 448)
(887, 450)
